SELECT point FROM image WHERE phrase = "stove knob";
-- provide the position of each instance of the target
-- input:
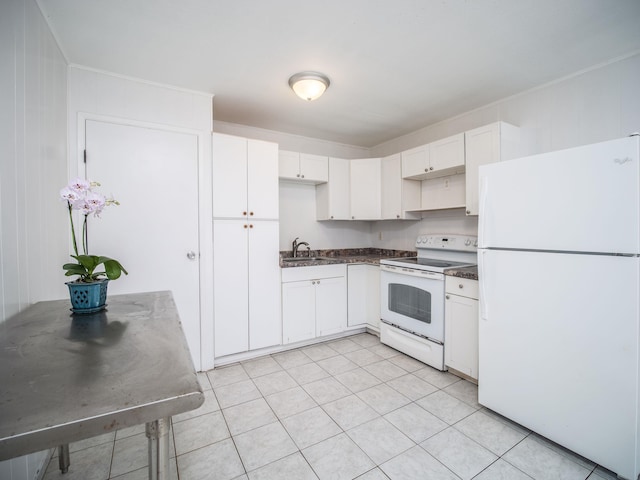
(467, 242)
(475, 243)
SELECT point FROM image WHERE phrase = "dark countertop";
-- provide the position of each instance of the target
(464, 272)
(370, 256)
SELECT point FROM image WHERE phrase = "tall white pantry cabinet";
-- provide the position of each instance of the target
(246, 278)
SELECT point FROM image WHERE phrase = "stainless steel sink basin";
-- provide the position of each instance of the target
(305, 259)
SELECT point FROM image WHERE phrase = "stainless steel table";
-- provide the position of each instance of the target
(65, 377)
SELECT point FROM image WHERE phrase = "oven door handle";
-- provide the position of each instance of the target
(412, 272)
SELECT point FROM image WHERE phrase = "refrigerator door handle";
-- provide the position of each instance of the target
(482, 275)
(484, 184)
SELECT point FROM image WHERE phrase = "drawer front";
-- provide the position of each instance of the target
(296, 274)
(465, 287)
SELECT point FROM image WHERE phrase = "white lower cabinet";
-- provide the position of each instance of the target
(461, 325)
(363, 286)
(246, 286)
(314, 302)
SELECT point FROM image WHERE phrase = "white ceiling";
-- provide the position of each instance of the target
(395, 65)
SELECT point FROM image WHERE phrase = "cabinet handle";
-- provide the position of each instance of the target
(318, 282)
(244, 214)
(430, 168)
(426, 169)
(302, 176)
(331, 217)
(460, 286)
(251, 214)
(468, 212)
(313, 282)
(352, 217)
(245, 225)
(251, 225)
(298, 175)
(397, 216)
(447, 297)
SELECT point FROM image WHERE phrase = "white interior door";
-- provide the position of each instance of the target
(154, 175)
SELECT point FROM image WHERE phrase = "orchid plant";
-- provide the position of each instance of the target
(79, 195)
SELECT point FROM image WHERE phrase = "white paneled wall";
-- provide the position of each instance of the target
(33, 167)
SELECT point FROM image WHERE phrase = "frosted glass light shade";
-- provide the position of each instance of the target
(309, 85)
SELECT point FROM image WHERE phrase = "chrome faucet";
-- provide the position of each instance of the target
(296, 245)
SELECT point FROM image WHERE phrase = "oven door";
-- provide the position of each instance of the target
(413, 300)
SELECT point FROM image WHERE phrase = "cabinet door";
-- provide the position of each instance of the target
(265, 327)
(230, 287)
(447, 155)
(363, 290)
(229, 176)
(298, 311)
(461, 334)
(365, 196)
(314, 168)
(331, 305)
(482, 147)
(391, 189)
(373, 296)
(398, 194)
(262, 180)
(332, 198)
(288, 165)
(356, 295)
(415, 162)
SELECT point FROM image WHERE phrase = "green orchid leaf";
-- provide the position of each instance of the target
(74, 269)
(113, 268)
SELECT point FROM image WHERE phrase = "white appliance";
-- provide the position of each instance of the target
(412, 295)
(559, 298)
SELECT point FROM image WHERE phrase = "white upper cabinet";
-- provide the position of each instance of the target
(333, 197)
(365, 195)
(303, 167)
(397, 194)
(492, 143)
(245, 178)
(437, 159)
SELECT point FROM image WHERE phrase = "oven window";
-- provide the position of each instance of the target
(410, 302)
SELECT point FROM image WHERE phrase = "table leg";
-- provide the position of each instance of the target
(158, 435)
(63, 457)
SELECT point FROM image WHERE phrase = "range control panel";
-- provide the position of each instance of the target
(459, 243)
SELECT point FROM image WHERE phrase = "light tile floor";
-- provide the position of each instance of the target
(343, 409)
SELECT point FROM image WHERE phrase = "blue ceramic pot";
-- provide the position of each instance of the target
(88, 297)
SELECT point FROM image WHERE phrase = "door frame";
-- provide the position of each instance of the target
(205, 215)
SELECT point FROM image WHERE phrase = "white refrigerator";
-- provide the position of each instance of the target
(559, 331)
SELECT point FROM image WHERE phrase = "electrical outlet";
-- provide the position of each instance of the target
(379, 235)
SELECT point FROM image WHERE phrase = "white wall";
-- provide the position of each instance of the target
(298, 219)
(592, 106)
(33, 227)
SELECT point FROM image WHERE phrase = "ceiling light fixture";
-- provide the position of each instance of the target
(309, 85)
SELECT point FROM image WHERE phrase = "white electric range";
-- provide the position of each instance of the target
(412, 295)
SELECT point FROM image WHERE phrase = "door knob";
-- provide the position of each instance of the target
(191, 255)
